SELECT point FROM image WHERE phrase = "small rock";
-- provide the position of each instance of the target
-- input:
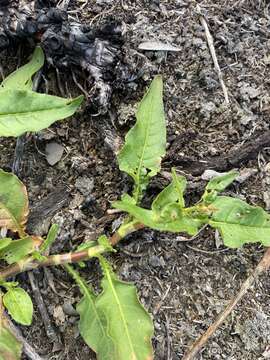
(157, 46)
(248, 92)
(73, 320)
(59, 315)
(126, 270)
(54, 152)
(210, 174)
(69, 309)
(84, 185)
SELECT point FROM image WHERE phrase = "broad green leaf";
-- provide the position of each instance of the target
(4, 242)
(218, 184)
(170, 218)
(19, 305)
(239, 222)
(145, 143)
(128, 324)
(21, 78)
(13, 203)
(173, 193)
(10, 347)
(92, 324)
(167, 196)
(17, 249)
(22, 111)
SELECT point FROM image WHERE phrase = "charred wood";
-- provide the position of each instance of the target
(233, 159)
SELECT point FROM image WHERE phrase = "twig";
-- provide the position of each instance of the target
(30, 263)
(263, 266)
(210, 42)
(27, 348)
(42, 308)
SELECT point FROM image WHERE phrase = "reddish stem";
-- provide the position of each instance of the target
(29, 263)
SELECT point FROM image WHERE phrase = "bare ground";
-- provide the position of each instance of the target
(184, 285)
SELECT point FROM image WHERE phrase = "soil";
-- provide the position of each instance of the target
(184, 285)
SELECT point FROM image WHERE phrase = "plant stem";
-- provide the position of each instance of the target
(30, 263)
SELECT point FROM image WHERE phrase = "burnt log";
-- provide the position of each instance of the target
(67, 44)
(235, 158)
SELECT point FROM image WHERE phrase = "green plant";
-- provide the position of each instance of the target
(113, 323)
(22, 109)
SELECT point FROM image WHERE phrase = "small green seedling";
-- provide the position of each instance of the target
(113, 322)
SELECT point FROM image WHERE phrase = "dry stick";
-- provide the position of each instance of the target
(42, 308)
(210, 42)
(29, 263)
(263, 266)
